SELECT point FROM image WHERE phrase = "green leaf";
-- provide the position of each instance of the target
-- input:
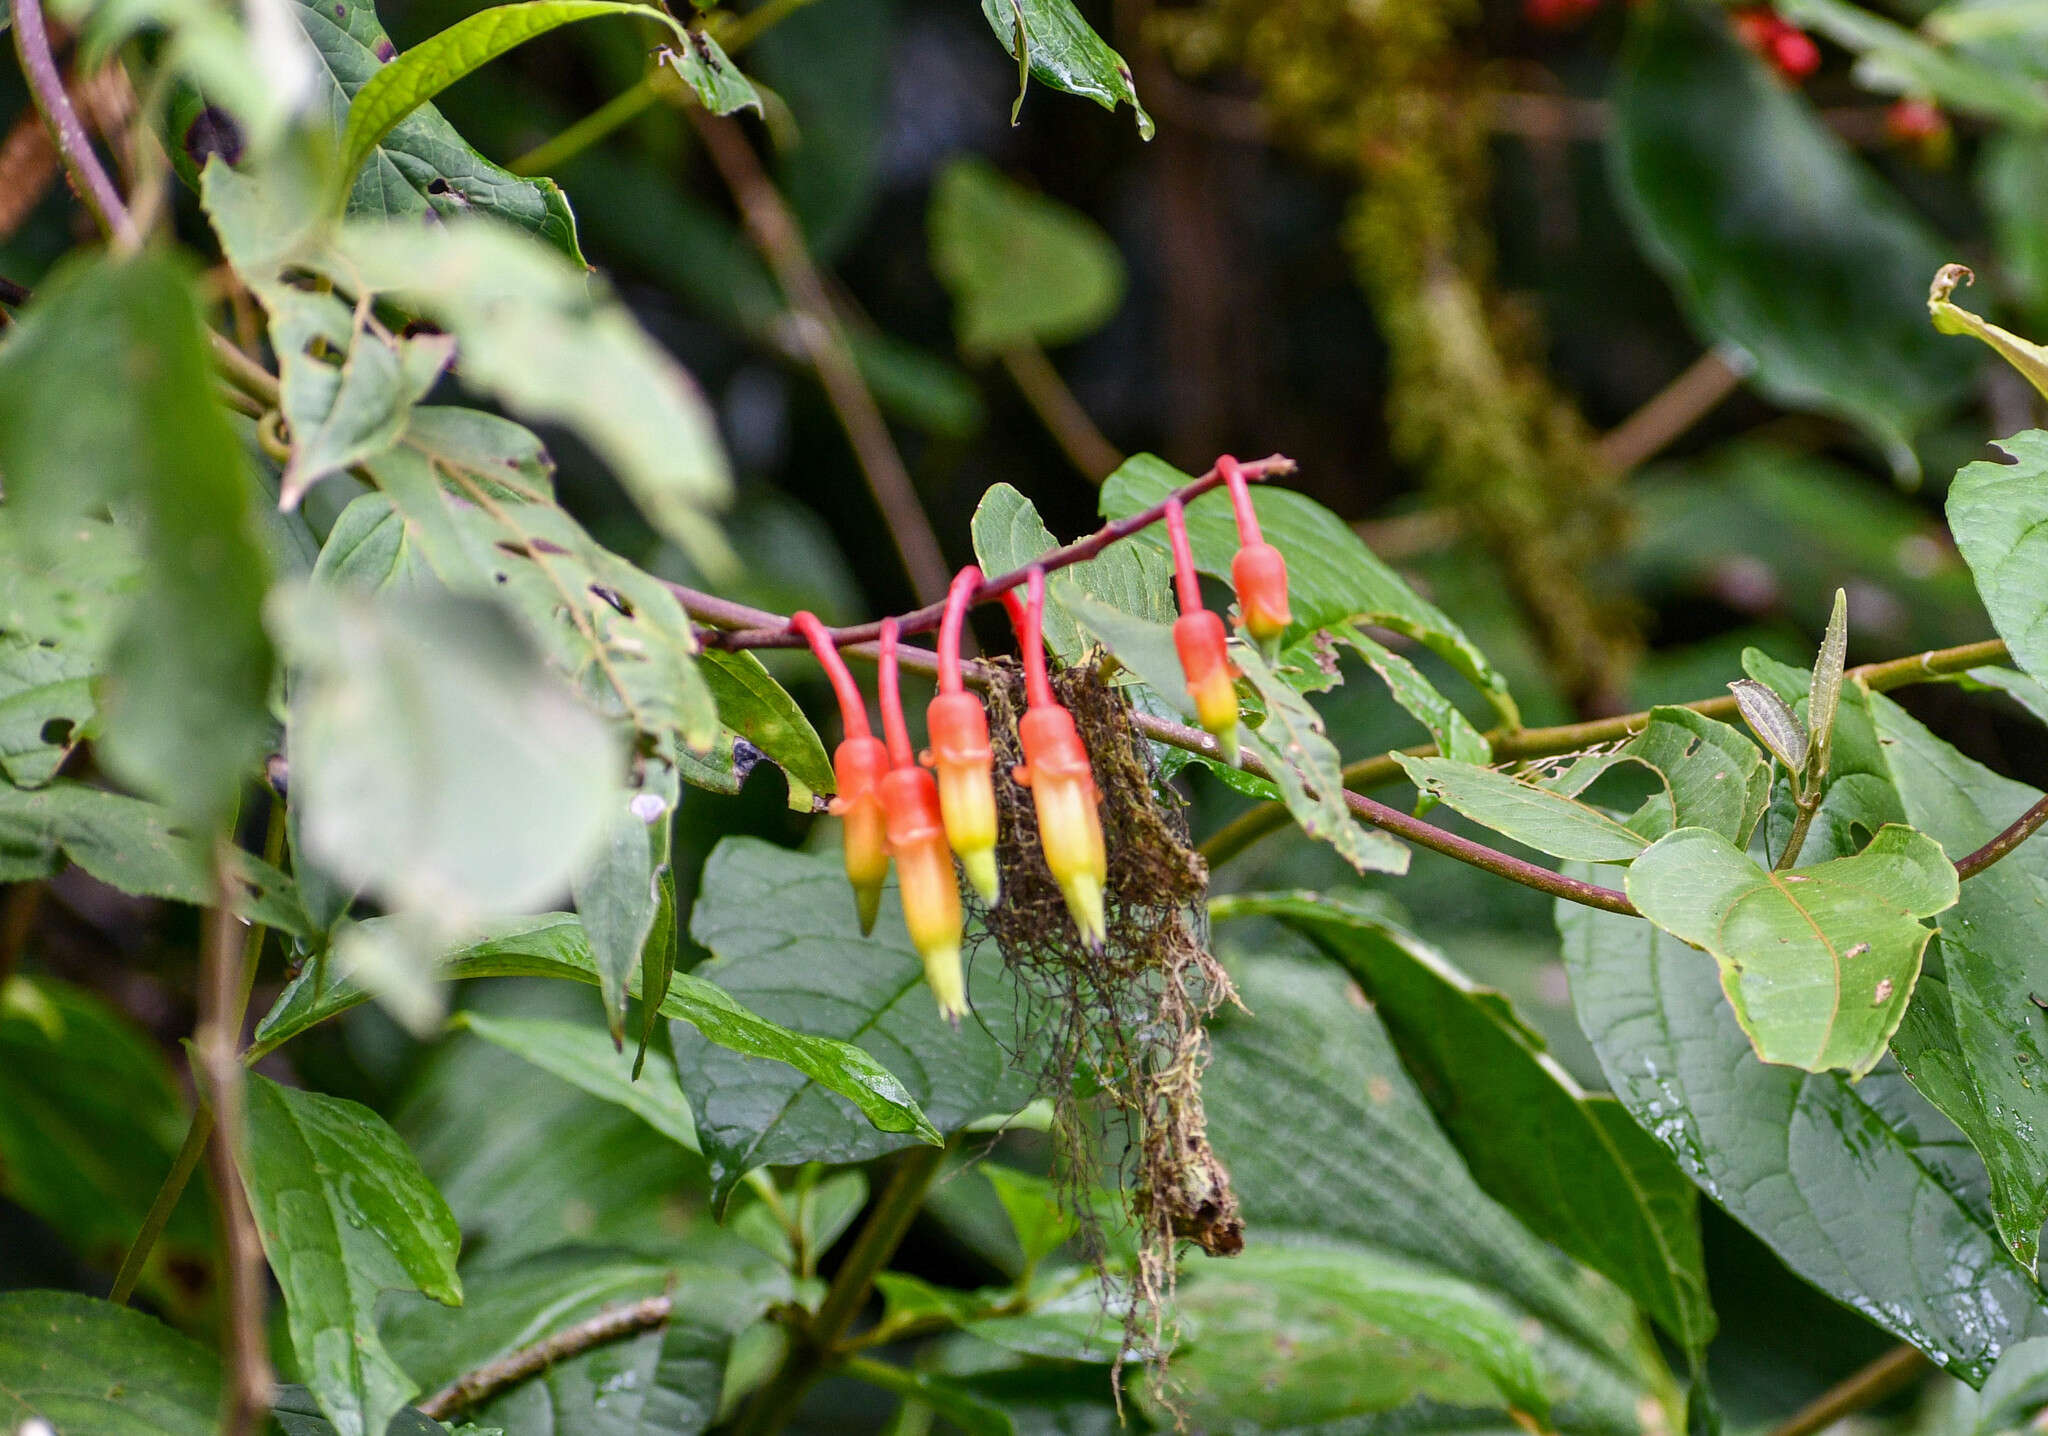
(1819, 962)
(1571, 1166)
(1326, 1137)
(1824, 694)
(295, 1411)
(345, 1214)
(1293, 1335)
(1858, 798)
(1008, 534)
(414, 78)
(1762, 220)
(1531, 814)
(105, 397)
(1715, 777)
(1894, 60)
(585, 1058)
(1771, 718)
(1450, 730)
(1847, 1182)
(622, 894)
(81, 1364)
(665, 1380)
(1998, 513)
(711, 75)
(422, 166)
(1052, 44)
(781, 925)
(90, 1119)
(1022, 268)
(1333, 578)
(753, 705)
(2017, 1390)
(554, 945)
(1305, 766)
(1973, 1044)
(62, 603)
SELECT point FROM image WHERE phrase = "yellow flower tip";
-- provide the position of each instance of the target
(980, 867)
(1083, 892)
(1226, 739)
(867, 903)
(943, 975)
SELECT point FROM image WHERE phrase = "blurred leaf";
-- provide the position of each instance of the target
(554, 945)
(585, 1058)
(90, 1119)
(345, 1214)
(1573, 1167)
(1333, 578)
(1022, 268)
(755, 706)
(62, 602)
(105, 396)
(1892, 59)
(1293, 744)
(1008, 534)
(1819, 962)
(81, 1365)
(2012, 185)
(2029, 693)
(668, 1379)
(296, 1412)
(781, 926)
(422, 166)
(1848, 1183)
(1999, 515)
(1973, 1045)
(1052, 44)
(961, 1408)
(1533, 815)
(2016, 1391)
(1450, 730)
(622, 894)
(1774, 236)
(1032, 1204)
(1358, 1161)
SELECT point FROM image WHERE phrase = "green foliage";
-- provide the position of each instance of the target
(87, 1365)
(1053, 45)
(1999, 512)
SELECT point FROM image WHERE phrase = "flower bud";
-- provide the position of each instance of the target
(1259, 574)
(967, 795)
(924, 872)
(859, 765)
(1204, 658)
(1062, 787)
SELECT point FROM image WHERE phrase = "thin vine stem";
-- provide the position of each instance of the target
(1891, 1373)
(74, 147)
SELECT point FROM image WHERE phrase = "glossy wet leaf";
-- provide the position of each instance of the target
(1998, 513)
(782, 930)
(1333, 578)
(82, 1364)
(90, 1118)
(1532, 815)
(1571, 1165)
(1022, 267)
(1294, 745)
(345, 1214)
(104, 398)
(1762, 221)
(1851, 1184)
(1053, 45)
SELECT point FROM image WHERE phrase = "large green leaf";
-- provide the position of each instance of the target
(61, 605)
(1052, 44)
(1326, 1137)
(89, 1121)
(1852, 1185)
(84, 1365)
(585, 1058)
(1998, 513)
(105, 397)
(785, 942)
(1973, 1043)
(1333, 578)
(1570, 1165)
(1526, 811)
(554, 945)
(345, 1214)
(667, 1380)
(422, 166)
(1775, 238)
(1022, 268)
(1818, 962)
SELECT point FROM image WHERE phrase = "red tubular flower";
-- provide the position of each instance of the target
(858, 765)
(1788, 49)
(917, 840)
(1199, 639)
(960, 750)
(1258, 572)
(1062, 784)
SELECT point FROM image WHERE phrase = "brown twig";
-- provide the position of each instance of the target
(823, 338)
(1669, 413)
(1061, 413)
(2023, 827)
(74, 146)
(1892, 1372)
(773, 631)
(613, 1324)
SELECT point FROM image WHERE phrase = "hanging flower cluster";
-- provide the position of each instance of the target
(921, 814)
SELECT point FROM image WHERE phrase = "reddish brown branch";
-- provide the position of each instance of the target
(614, 1324)
(74, 146)
(2023, 827)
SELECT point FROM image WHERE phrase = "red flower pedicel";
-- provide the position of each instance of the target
(917, 840)
(1258, 572)
(858, 764)
(960, 750)
(1055, 769)
(1199, 638)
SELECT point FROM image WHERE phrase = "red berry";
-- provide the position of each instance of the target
(1912, 121)
(1795, 54)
